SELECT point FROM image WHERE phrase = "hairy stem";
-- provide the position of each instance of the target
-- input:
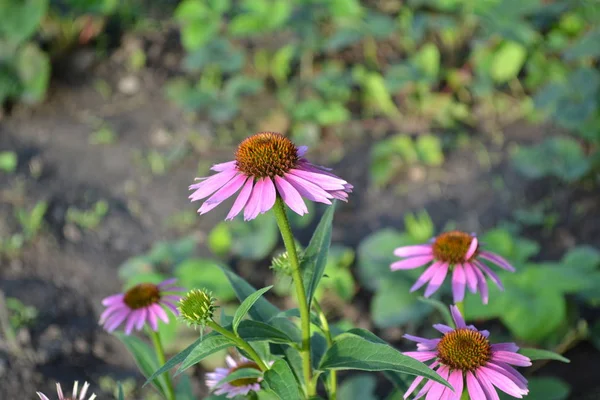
(290, 246)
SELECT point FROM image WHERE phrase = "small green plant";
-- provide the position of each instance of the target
(8, 161)
(88, 219)
(31, 221)
(20, 315)
(103, 136)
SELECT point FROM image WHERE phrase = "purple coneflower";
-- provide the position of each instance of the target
(268, 164)
(140, 304)
(465, 354)
(457, 252)
(74, 396)
(236, 387)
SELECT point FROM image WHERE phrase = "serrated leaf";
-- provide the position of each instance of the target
(353, 352)
(261, 310)
(540, 354)
(252, 331)
(246, 305)
(282, 382)
(314, 258)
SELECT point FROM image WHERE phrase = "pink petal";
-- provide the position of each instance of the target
(224, 166)
(290, 196)
(458, 283)
(437, 280)
(502, 382)
(411, 263)
(443, 328)
(114, 299)
(209, 186)
(131, 320)
(321, 179)
(493, 276)
(253, 207)
(241, 200)
(457, 317)
(505, 347)
(511, 358)
(472, 249)
(268, 196)
(301, 150)
(114, 321)
(308, 189)
(413, 386)
(142, 313)
(486, 385)
(112, 310)
(228, 189)
(509, 371)
(456, 380)
(426, 276)
(417, 250)
(475, 390)
(496, 259)
(160, 313)
(482, 285)
(471, 277)
(436, 391)
(167, 282)
(152, 320)
(421, 355)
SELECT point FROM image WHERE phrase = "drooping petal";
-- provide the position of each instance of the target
(457, 317)
(417, 250)
(486, 385)
(268, 196)
(413, 386)
(496, 259)
(437, 389)
(471, 277)
(474, 388)
(437, 280)
(325, 181)
(493, 276)
(456, 380)
(426, 276)
(482, 285)
(210, 185)
(511, 358)
(472, 249)
(253, 206)
(509, 371)
(308, 189)
(505, 347)
(443, 328)
(241, 199)
(114, 299)
(224, 166)
(421, 355)
(227, 190)
(411, 263)
(458, 283)
(502, 382)
(290, 196)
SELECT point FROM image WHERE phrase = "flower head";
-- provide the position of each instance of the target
(236, 387)
(457, 252)
(197, 307)
(140, 304)
(266, 165)
(74, 396)
(464, 354)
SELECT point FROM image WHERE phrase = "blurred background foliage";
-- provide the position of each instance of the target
(429, 70)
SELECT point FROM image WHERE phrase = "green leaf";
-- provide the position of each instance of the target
(20, 19)
(359, 387)
(254, 239)
(242, 373)
(145, 360)
(207, 274)
(350, 351)
(210, 344)
(376, 253)
(583, 257)
(507, 61)
(184, 390)
(282, 382)
(394, 305)
(261, 310)
(120, 395)
(546, 388)
(8, 160)
(253, 331)
(314, 258)
(540, 354)
(246, 305)
(586, 46)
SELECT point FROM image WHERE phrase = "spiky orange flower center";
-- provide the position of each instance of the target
(142, 295)
(266, 154)
(452, 247)
(464, 349)
(244, 381)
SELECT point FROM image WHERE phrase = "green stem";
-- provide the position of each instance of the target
(290, 246)
(160, 355)
(329, 339)
(239, 342)
(465, 395)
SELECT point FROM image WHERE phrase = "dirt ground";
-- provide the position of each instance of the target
(66, 271)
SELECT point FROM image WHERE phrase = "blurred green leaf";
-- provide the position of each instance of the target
(394, 305)
(540, 354)
(8, 160)
(33, 67)
(219, 239)
(20, 19)
(507, 61)
(359, 387)
(430, 151)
